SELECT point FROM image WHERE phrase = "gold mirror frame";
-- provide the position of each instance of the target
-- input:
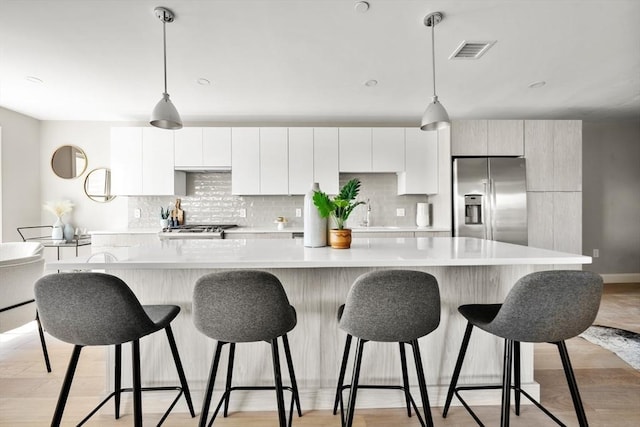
(68, 162)
(97, 185)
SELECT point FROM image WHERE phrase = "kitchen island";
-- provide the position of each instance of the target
(317, 280)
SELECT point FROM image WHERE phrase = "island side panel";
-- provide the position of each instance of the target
(317, 342)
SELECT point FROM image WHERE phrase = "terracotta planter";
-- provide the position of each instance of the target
(340, 239)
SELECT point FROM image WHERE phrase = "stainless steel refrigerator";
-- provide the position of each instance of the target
(490, 199)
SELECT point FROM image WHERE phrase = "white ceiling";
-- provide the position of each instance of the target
(295, 61)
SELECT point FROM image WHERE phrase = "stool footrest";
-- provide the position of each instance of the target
(129, 390)
(499, 387)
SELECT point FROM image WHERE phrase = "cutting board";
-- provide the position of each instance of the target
(178, 213)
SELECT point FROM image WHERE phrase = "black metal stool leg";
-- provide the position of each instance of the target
(117, 379)
(458, 368)
(426, 407)
(343, 368)
(516, 375)
(506, 383)
(354, 383)
(573, 385)
(43, 343)
(227, 388)
(282, 416)
(206, 402)
(405, 378)
(66, 386)
(292, 373)
(178, 363)
(137, 383)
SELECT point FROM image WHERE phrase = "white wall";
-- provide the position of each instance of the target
(19, 173)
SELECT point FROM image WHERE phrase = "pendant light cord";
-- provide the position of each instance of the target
(433, 52)
(164, 44)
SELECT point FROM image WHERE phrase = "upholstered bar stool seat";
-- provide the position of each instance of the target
(88, 309)
(547, 306)
(397, 306)
(244, 306)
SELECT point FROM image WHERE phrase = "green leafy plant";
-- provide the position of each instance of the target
(341, 206)
(164, 214)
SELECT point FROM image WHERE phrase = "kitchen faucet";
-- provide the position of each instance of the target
(366, 221)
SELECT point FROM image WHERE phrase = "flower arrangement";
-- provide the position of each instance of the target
(59, 208)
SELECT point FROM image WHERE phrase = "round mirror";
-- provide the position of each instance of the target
(69, 162)
(97, 185)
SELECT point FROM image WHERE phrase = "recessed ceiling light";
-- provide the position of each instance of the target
(371, 83)
(33, 79)
(203, 82)
(537, 84)
(361, 6)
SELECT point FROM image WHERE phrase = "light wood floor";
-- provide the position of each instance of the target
(610, 388)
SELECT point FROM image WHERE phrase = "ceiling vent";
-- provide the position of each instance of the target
(471, 50)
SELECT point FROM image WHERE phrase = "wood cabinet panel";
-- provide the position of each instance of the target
(274, 161)
(567, 222)
(540, 220)
(539, 152)
(245, 161)
(301, 161)
(505, 137)
(387, 149)
(355, 149)
(567, 159)
(469, 138)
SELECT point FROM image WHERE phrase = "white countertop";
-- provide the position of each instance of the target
(261, 230)
(290, 253)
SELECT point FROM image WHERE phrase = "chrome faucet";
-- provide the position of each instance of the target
(366, 221)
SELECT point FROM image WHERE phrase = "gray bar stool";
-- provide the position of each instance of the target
(245, 306)
(87, 309)
(547, 306)
(389, 306)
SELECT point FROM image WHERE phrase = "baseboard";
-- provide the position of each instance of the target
(621, 278)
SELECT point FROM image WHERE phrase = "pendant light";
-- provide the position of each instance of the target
(165, 115)
(435, 116)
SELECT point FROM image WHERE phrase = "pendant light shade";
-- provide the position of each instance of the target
(165, 115)
(435, 116)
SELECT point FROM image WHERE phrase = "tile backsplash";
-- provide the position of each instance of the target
(209, 201)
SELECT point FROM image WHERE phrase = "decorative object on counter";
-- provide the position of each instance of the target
(165, 115)
(339, 208)
(68, 162)
(315, 226)
(177, 215)
(435, 116)
(423, 215)
(164, 217)
(281, 221)
(59, 209)
(69, 232)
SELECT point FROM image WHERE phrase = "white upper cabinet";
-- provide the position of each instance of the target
(274, 161)
(487, 138)
(421, 163)
(203, 148)
(142, 163)
(355, 149)
(245, 161)
(387, 149)
(325, 159)
(301, 160)
(371, 149)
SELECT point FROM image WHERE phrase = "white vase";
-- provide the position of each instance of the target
(57, 232)
(164, 223)
(315, 227)
(69, 232)
(423, 219)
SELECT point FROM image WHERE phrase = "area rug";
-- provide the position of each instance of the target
(625, 344)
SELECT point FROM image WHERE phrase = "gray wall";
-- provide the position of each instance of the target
(611, 195)
(19, 173)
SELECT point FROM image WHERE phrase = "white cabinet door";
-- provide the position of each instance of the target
(188, 148)
(245, 161)
(158, 175)
(355, 149)
(126, 161)
(505, 138)
(421, 163)
(216, 148)
(387, 149)
(274, 161)
(469, 138)
(301, 161)
(325, 159)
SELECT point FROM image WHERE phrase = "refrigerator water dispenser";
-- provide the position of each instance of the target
(473, 209)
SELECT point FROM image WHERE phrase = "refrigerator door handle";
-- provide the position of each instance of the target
(486, 210)
(492, 206)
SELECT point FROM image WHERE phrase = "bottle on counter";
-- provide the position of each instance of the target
(315, 227)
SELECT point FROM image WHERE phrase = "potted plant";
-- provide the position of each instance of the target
(339, 208)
